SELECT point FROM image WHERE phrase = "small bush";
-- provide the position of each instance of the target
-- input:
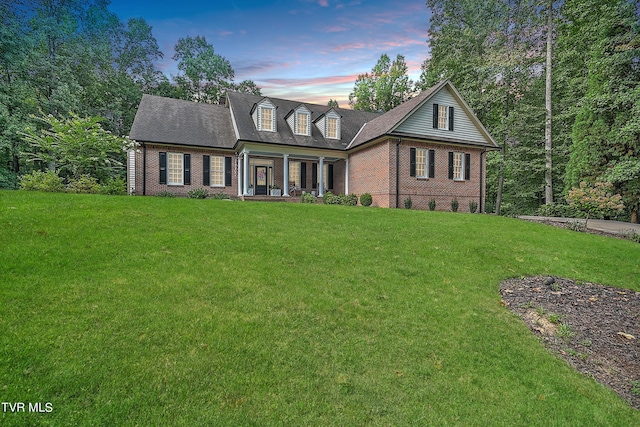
(454, 205)
(559, 210)
(432, 204)
(408, 203)
(86, 184)
(329, 198)
(308, 198)
(366, 199)
(473, 206)
(42, 181)
(349, 200)
(198, 193)
(220, 196)
(114, 187)
(576, 225)
(632, 235)
(165, 193)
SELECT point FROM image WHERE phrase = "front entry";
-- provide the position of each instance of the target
(261, 178)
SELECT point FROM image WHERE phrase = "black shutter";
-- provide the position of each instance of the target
(435, 116)
(314, 175)
(187, 169)
(227, 171)
(303, 174)
(432, 163)
(450, 164)
(467, 166)
(206, 170)
(451, 118)
(330, 177)
(163, 168)
(412, 162)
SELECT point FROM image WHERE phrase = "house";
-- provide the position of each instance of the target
(432, 147)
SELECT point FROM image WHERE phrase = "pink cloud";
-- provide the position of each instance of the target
(311, 81)
(335, 29)
(225, 33)
(323, 3)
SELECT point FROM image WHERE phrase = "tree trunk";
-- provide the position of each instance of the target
(548, 189)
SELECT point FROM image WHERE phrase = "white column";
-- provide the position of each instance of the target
(321, 177)
(285, 188)
(346, 176)
(245, 184)
(240, 185)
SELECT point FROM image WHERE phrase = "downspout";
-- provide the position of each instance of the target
(398, 172)
(144, 169)
(484, 151)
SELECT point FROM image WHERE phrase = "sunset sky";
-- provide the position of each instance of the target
(307, 50)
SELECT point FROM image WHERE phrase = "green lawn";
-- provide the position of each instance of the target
(154, 311)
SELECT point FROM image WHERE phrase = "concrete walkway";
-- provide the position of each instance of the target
(614, 227)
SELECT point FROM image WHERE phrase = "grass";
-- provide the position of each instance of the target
(156, 311)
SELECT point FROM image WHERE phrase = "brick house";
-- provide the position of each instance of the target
(432, 147)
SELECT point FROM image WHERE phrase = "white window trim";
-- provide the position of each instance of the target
(273, 113)
(173, 183)
(307, 127)
(296, 178)
(462, 165)
(211, 171)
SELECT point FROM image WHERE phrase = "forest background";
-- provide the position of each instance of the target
(557, 84)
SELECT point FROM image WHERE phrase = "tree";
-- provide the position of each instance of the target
(206, 75)
(247, 86)
(385, 88)
(333, 103)
(78, 146)
(596, 200)
(548, 141)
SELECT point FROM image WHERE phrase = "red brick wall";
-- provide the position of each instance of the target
(372, 170)
(153, 186)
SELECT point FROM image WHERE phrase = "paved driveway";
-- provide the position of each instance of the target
(615, 227)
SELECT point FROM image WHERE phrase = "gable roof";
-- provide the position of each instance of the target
(174, 121)
(241, 104)
(387, 123)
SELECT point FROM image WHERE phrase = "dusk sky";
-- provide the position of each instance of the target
(306, 50)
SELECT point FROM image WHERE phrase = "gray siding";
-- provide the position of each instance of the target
(421, 121)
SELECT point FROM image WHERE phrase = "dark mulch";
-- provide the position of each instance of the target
(595, 328)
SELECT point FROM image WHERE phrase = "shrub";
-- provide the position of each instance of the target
(114, 187)
(220, 196)
(432, 204)
(198, 193)
(329, 198)
(84, 184)
(349, 200)
(165, 193)
(559, 210)
(596, 200)
(454, 205)
(473, 206)
(308, 198)
(408, 203)
(42, 181)
(632, 235)
(366, 199)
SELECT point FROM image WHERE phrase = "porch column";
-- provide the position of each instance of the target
(239, 162)
(285, 188)
(346, 176)
(321, 177)
(245, 181)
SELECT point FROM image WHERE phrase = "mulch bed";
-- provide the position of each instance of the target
(595, 328)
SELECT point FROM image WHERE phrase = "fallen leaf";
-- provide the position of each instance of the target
(627, 336)
(537, 289)
(593, 299)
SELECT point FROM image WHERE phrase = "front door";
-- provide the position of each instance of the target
(261, 178)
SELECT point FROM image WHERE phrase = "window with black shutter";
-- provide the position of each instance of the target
(227, 172)
(450, 164)
(330, 177)
(187, 169)
(467, 166)
(412, 162)
(432, 163)
(303, 175)
(451, 118)
(314, 175)
(206, 170)
(435, 116)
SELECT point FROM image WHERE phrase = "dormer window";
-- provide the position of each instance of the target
(332, 127)
(302, 123)
(266, 118)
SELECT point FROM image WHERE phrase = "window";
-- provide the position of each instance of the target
(302, 123)
(266, 118)
(458, 166)
(217, 171)
(442, 117)
(294, 174)
(332, 127)
(421, 162)
(175, 168)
